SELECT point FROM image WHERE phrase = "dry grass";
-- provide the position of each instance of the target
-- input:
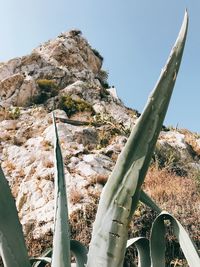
(47, 145)
(47, 163)
(9, 166)
(75, 196)
(81, 222)
(191, 140)
(98, 178)
(181, 197)
(176, 194)
(37, 246)
(9, 113)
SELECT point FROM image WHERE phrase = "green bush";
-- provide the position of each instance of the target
(72, 106)
(46, 84)
(97, 54)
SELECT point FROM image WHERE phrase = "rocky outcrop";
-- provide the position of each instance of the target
(93, 127)
(64, 60)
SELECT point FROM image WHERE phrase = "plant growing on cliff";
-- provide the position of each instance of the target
(97, 54)
(118, 201)
(46, 84)
(72, 106)
(11, 113)
(102, 76)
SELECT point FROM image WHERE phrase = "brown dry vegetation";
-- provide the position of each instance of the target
(178, 195)
(75, 196)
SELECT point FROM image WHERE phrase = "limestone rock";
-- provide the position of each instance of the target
(8, 125)
(87, 91)
(27, 92)
(66, 59)
(86, 136)
(9, 68)
(113, 93)
(174, 139)
(8, 87)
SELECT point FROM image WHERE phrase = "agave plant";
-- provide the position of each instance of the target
(118, 200)
(122, 191)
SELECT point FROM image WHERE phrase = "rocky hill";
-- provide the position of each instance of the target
(66, 75)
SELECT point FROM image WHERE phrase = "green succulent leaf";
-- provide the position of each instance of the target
(121, 193)
(142, 245)
(77, 248)
(12, 245)
(147, 200)
(80, 252)
(157, 241)
(153, 254)
(42, 260)
(61, 240)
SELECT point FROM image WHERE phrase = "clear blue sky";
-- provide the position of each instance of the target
(134, 37)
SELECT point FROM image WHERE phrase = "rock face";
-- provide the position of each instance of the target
(65, 75)
(64, 60)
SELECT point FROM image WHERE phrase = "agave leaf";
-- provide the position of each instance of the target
(12, 245)
(77, 248)
(157, 241)
(61, 239)
(147, 200)
(122, 190)
(41, 261)
(142, 245)
(80, 252)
